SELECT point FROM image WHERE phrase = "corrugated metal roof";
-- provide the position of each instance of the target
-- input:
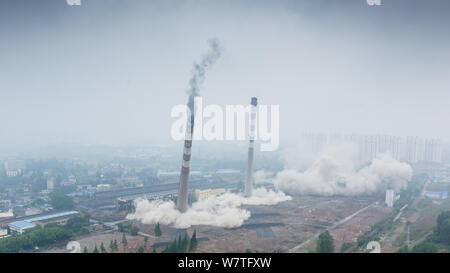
(22, 224)
(50, 216)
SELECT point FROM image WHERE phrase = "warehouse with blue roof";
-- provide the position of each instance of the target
(22, 225)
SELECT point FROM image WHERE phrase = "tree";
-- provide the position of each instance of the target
(35, 237)
(403, 249)
(61, 201)
(193, 243)
(145, 241)
(443, 227)
(179, 244)
(85, 250)
(425, 247)
(111, 246)
(102, 248)
(124, 227)
(78, 224)
(325, 243)
(173, 246)
(158, 230)
(141, 249)
(116, 246)
(95, 249)
(134, 230)
(184, 244)
(345, 246)
(124, 241)
(166, 249)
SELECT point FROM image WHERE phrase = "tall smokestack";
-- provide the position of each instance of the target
(198, 76)
(182, 200)
(248, 180)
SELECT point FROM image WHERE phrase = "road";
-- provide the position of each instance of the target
(343, 221)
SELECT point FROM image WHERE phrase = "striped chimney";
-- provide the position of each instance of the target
(183, 189)
(248, 180)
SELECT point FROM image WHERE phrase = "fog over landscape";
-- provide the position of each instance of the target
(224, 126)
(334, 172)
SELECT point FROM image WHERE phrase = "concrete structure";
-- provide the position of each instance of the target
(22, 225)
(182, 200)
(167, 174)
(413, 149)
(418, 149)
(249, 174)
(161, 174)
(369, 146)
(5, 205)
(50, 184)
(19, 210)
(372, 145)
(202, 194)
(3, 233)
(228, 172)
(439, 195)
(14, 167)
(390, 198)
(103, 187)
(432, 150)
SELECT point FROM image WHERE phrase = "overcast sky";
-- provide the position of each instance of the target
(110, 71)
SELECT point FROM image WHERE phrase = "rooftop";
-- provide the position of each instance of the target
(22, 224)
(51, 216)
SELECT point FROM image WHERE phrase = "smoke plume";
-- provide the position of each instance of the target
(221, 211)
(198, 73)
(334, 173)
(262, 177)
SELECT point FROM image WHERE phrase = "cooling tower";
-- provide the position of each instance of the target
(248, 179)
(182, 200)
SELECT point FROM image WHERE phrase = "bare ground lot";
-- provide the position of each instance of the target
(291, 222)
(276, 228)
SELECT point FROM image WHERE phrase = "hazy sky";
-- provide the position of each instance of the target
(110, 71)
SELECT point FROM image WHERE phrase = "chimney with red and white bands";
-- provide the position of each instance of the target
(183, 189)
(249, 174)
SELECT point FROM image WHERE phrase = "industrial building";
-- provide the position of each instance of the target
(103, 187)
(202, 194)
(22, 225)
(50, 184)
(127, 202)
(390, 198)
(224, 173)
(14, 167)
(3, 233)
(161, 174)
(439, 195)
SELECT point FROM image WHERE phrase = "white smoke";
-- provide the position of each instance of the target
(199, 70)
(334, 173)
(263, 177)
(221, 211)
